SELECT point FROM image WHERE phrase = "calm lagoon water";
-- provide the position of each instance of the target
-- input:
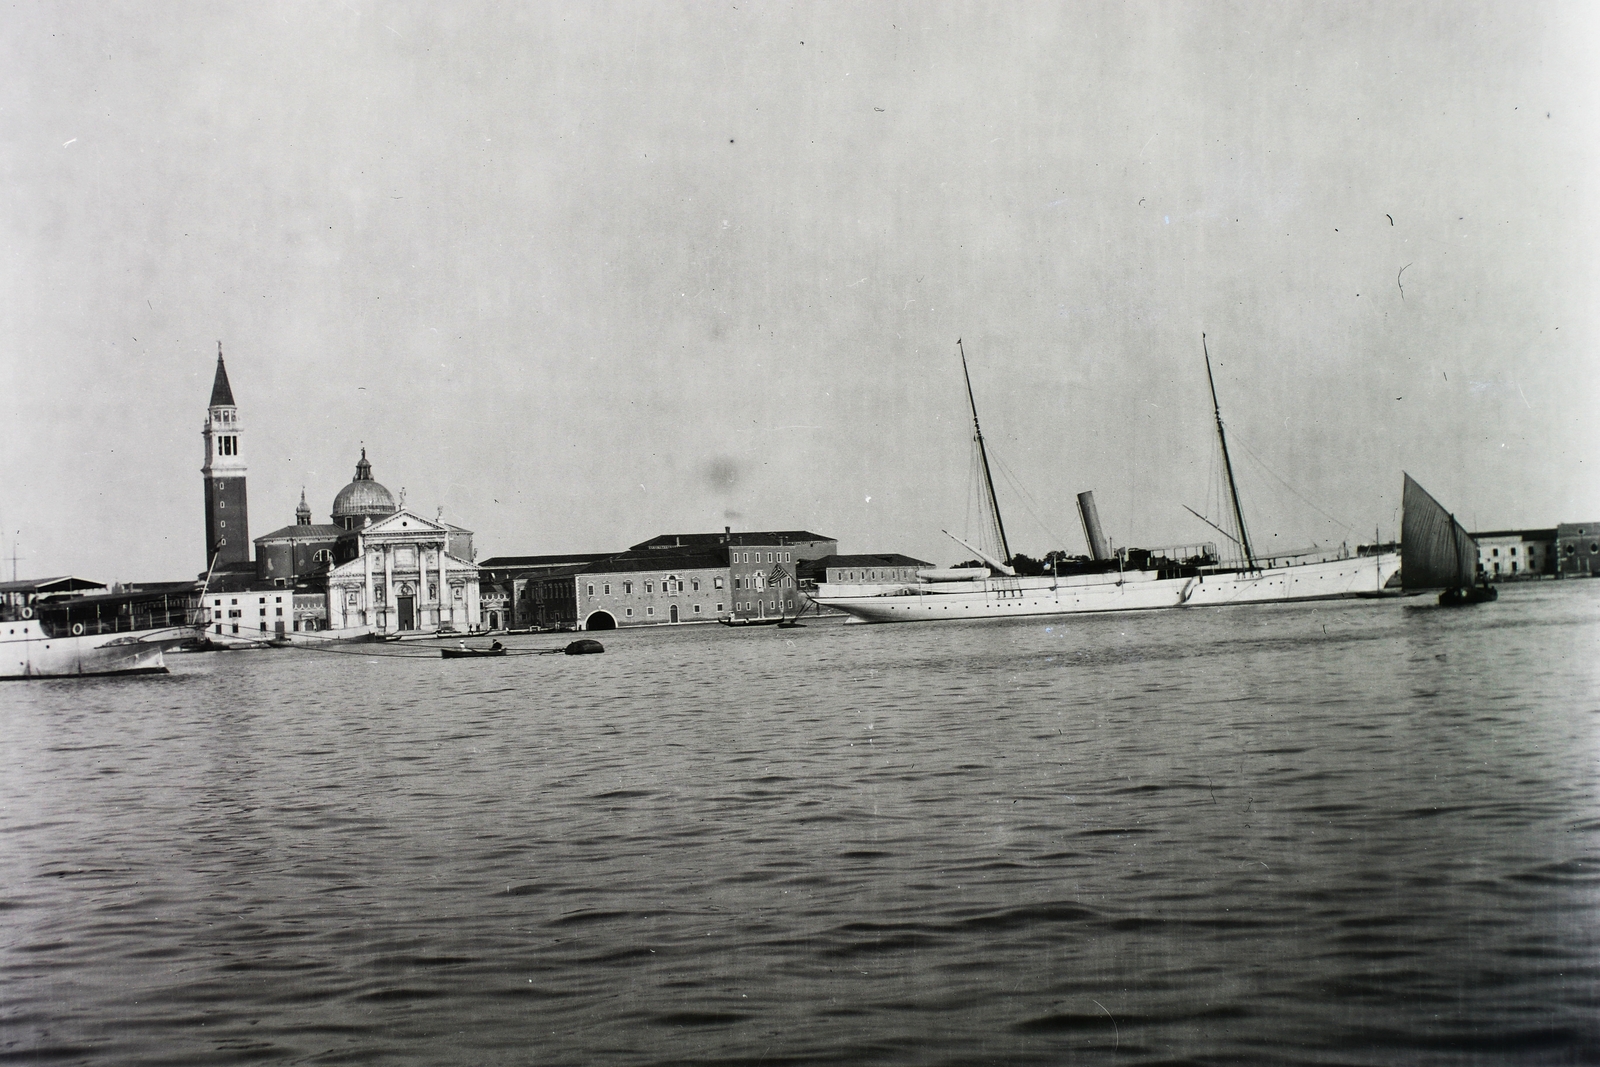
(1357, 833)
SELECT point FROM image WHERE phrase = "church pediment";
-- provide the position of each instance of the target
(404, 525)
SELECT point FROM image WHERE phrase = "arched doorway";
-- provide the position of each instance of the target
(600, 620)
(674, 613)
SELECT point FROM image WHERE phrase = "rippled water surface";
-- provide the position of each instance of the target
(1359, 833)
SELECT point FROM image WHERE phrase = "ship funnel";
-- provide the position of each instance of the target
(1091, 526)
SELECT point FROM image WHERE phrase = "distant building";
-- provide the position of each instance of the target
(495, 604)
(297, 554)
(250, 613)
(883, 569)
(1578, 547)
(651, 587)
(1507, 555)
(761, 565)
(518, 592)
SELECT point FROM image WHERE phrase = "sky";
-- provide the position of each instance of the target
(578, 274)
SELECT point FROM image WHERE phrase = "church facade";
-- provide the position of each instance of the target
(404, 578)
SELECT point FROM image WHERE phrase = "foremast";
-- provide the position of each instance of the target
(983, 456)
(1227, 464)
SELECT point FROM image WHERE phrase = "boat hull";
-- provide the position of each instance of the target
(1466, 596)
(1000, 597)
(26, 652)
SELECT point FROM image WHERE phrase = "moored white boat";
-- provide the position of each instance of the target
(105, 634)
(1000, 596)
(1123, 581)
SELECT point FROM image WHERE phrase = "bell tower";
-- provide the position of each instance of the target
(227, 515)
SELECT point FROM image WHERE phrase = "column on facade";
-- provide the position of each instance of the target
(444, 591)
(368, 618)
(387, 612)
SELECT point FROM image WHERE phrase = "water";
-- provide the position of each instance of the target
(1357, 833)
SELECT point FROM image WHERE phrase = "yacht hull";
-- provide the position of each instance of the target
(27, 652)
(1001, 597)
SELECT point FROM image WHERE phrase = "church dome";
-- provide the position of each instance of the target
(362, 499)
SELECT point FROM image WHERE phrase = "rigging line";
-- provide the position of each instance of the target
(977, 435)
(1028, 501)
(981, 526)
(972, 477)
(418, 654)
(1222, 438)
(1285, 483)
(360, 652)
(1211, 524)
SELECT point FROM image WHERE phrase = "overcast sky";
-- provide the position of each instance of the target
(579, 274)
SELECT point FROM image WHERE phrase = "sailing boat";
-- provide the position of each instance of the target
(1437, 553)
(1127, 580)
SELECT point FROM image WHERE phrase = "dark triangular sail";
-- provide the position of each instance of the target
(1435, 552)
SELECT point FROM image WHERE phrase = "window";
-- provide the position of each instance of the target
(716, 582)
(608, 588)
(218, 602)
(719, 607)
(222, 503)
(769, 557)
(233, 601)
(694, 583)
(649, 611)
(697, 609)
(649, 586)
(738, 583)
(630, 613)
(627, 587)
(261, 600)
(280, 611)
(591, 590)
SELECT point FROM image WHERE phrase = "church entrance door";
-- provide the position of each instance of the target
(408, 612)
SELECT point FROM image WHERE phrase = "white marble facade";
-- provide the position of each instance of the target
(404, 579)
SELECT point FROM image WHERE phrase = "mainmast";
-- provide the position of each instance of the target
(988, 480)
(1233, 488)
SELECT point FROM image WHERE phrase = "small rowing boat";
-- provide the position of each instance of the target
(496, 649)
